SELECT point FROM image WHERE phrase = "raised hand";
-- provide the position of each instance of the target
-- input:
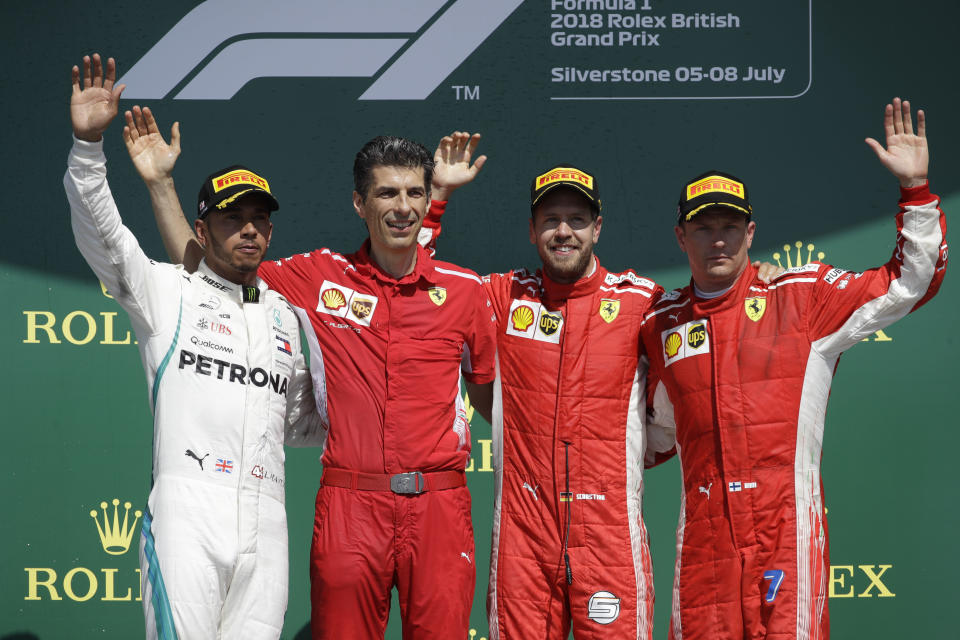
(94, 106)
(452, 168)
(906, 155)
(151, 155)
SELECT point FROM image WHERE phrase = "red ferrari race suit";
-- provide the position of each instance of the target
(745, 378)
(386, 357)
(569, 543)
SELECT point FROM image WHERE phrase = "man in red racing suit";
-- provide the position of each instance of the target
(743, 370)
(569, 441)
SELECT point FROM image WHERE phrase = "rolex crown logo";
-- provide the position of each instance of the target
(798, 260)
(114, 536)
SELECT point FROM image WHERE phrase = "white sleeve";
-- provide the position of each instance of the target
(304, 427)
(110, 248)
(661, 426)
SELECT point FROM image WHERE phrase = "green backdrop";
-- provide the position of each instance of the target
(781, 94)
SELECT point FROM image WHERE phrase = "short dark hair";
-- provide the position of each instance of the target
(390, 151)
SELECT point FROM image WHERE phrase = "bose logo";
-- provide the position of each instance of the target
(312, 47)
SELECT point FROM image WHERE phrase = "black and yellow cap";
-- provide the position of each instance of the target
(225, 186)
(565, 175)
(713, 189)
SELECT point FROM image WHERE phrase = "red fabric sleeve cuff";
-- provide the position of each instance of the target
(436, 210)
(916, 194)
(480, 378)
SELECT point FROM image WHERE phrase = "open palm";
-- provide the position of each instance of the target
(153, 158)
(906, 154)
(452, 168)
(93, 106)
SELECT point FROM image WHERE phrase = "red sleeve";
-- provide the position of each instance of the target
(847, 307)
(431, 226)
(291, 278)
(479, 366)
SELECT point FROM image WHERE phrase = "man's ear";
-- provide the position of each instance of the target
(358, 204)
(200, 227)
(678, 231)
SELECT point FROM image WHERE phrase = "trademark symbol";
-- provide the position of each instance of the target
(466, 92)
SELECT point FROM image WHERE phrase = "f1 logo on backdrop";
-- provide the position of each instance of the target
(423, 40)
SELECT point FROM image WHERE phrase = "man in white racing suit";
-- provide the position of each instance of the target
(226, 381)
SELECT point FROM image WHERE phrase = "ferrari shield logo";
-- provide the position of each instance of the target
(609, 309)
(438, 295)
(755, 308)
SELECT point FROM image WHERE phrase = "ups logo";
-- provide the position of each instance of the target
(549, 323)
(696, 335)
(361, 308)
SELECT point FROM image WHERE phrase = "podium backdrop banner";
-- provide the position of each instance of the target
(645, 93)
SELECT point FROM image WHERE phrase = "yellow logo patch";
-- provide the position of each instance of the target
(671, 346)
(239, 177)
(522, 317)
(609, 309)
(755, 308)
(565, 173)
(333, 299)
(714, 184)
(438, 295)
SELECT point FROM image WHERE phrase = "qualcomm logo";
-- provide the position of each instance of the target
(422, 40)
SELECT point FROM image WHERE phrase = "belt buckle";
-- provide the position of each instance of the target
(410, 483)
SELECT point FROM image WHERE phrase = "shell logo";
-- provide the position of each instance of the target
(522, 318)
(333, 299)
(671, 346)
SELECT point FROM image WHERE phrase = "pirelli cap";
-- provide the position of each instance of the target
(565, 175)
(713, 189)
(225, 186)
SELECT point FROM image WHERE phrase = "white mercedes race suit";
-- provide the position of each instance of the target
(226, 382)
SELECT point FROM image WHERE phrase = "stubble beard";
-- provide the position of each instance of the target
(567, 271)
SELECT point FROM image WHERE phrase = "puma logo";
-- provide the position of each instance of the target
(673, 316)
(532, 490)
(706, 490)
(464, 554)
(191, 454)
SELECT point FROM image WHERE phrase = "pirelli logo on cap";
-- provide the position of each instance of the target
(564, 174)
(714, 184)
(239, 176)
